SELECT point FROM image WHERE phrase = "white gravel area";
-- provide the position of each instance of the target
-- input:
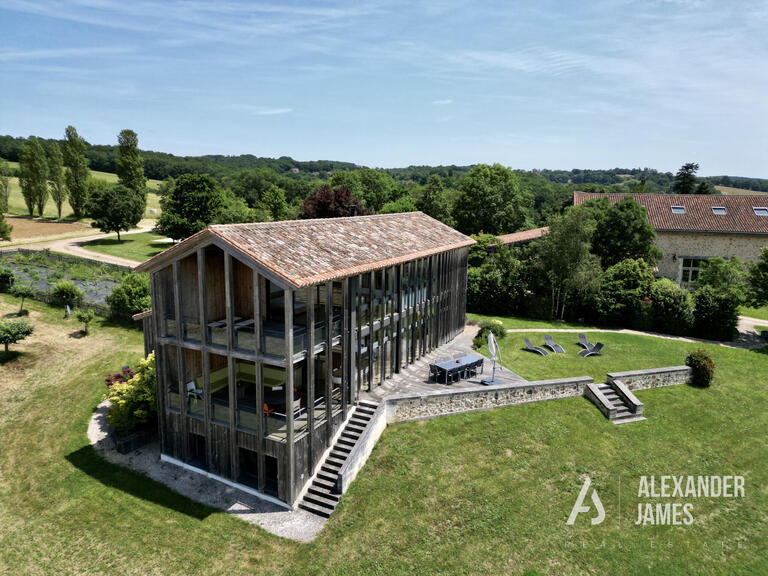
(295, 524)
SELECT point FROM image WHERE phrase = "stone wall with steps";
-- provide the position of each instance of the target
(652, 378)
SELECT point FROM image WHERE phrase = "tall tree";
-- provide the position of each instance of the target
(274, 200)
(685, 179)
(622, 232)
(377, 188)
(5, 228)
(492, 201)
(194, 202)
(129, 164)
(566, 258)
(33, 176)
(56, 176)
(115, 208)
(434, 201)
(704, 188)
(758, 279)
(327, 202)
(5, 185)
(77, 171)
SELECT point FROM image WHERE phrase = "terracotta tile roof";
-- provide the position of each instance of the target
(739, 217)
(307, 252)
(524, 236)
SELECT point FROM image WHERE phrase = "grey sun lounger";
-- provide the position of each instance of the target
(584, 342)
(594, 351)
(531, 348)
(549, 342)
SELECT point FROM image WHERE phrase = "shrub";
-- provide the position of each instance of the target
(702, 368)
(495, 326)
(130, 297)
(13, 331)
(123, 376)
(623, 288)
(86, 317)
(715, 314)
(22, 291)
(672, 308)
(497, 287)
(132, 403)
(6, 279)
(66, 292)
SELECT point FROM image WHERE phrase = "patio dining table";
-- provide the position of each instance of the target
(460, 365)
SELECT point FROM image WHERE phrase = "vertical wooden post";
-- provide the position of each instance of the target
(399, 326)
(347, 344)
(288, 483)
(161, 383)
(232, 372)
(202, 292)
(261, 442)
(310, 365)
(329, 361)
(180, 361)
(357, 330)
(371, 319)
(382, 352)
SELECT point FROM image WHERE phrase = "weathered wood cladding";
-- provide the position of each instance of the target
(358, 330)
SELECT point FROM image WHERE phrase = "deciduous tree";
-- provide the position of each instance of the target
(328, 202)
(434, 201)
(33, 176)
(492, 201)
(129, 164)
(13, 331)
(115, 208)
(77, 171)
(5, 184)
(622, 232)
(56, 177)
(194, 202)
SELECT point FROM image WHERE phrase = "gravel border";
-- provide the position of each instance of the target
(298, 524)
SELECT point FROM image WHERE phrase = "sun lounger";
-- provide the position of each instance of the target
(584, 342)
(531, 348)
(549, 342)
(594, 351)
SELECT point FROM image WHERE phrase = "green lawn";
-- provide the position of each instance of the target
(760, 313)
(137, 247)
(480, 493)
(516, 322)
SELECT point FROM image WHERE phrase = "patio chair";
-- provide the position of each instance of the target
(584, 342)
(550, 343)
(433, 371)
(594, 351)
(193, 391)
(532, 348)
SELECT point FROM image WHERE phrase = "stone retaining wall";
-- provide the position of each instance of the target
(652, 378)
(421, 406)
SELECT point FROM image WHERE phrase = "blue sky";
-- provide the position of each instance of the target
(527, 84)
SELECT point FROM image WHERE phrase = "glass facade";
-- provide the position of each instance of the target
(237, 390)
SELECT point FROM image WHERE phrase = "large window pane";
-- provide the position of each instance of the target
(171, 371)
(190, 302)
(167, 302)
(193, 382)
(216, 299)
(219, 388)
(245, 378)
(242, 303)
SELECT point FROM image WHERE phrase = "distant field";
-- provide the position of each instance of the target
(730, 191)
(17, 206)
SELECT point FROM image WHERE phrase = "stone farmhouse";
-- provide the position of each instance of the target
(692, 228)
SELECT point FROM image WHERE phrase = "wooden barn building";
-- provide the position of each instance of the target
(267, 333)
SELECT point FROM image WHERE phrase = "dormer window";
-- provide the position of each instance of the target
(760, 210)
(678, 209)
(719, 210)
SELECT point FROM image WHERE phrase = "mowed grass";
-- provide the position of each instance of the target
(16, 203)
(480, 493)
(759, 313)
(516, 322)
(139, 247)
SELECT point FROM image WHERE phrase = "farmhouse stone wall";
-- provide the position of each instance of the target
(419, 406)
(698, 245)
(653, 378)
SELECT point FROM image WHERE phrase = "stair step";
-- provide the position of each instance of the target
(368, 405)
(354, 428)
(322, 492)
(340, 454)
(360, 423)
(335, 461)
(325, 484)
(362, 410)
(349, 435)
(318, 510)
(330, 468)
(344, 449)
(320, 500)
(345, 441)
(327, 476)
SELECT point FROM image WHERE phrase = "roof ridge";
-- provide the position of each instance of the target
(320, 220)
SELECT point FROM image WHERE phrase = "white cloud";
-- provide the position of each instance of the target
(272, 111)
(443, 102)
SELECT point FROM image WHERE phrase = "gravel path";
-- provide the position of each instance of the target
(74, 247)
(748, 336)
(296, 524)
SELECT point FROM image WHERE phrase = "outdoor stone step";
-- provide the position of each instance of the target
(355, 428)
(319, 500)
(324, 484)
(323, 493)
(330, 469)
(331, 477)
(346, 441)
(335, 461)
(369, 405)
(318, 510)
(350, 434)
(363, 411)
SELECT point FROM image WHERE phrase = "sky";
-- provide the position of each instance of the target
(540, 84)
